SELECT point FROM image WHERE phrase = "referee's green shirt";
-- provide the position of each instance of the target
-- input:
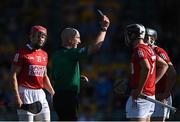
(65, 68)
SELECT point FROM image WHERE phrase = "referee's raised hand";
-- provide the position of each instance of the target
(103, 20)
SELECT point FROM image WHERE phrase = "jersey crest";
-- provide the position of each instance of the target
(140, 53)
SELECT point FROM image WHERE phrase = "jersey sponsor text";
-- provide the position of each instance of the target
(36, 70)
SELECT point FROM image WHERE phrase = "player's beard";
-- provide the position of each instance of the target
(38, 46)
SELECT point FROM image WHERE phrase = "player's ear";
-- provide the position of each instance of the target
(69, 41)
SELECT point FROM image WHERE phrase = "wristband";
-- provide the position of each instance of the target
(103, 29)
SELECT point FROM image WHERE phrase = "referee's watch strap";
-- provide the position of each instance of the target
(103, 29)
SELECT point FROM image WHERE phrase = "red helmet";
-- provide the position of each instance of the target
(38, 28)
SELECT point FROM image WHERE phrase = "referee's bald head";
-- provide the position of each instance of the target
(68, 34)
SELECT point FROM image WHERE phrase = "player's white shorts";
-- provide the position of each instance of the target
(161, 111)
(32, 95)
(139, 108)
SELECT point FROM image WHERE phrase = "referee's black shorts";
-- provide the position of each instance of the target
(65, 104)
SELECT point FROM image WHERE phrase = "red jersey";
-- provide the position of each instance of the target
(142, 52)
(33, 65)
(160, 86)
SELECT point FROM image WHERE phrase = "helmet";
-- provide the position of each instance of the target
(38, 28)
(152, 33)
(134, 32)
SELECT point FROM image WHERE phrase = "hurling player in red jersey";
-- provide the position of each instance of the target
(165, 84)
(29, 76)
(144, 63)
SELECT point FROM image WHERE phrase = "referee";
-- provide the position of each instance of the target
(66, 72)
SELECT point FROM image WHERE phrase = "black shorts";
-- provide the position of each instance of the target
(65, 104)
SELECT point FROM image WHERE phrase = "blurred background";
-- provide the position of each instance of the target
(111, 64)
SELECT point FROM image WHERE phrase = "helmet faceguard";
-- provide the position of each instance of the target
(134, 32)
(151, 36)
